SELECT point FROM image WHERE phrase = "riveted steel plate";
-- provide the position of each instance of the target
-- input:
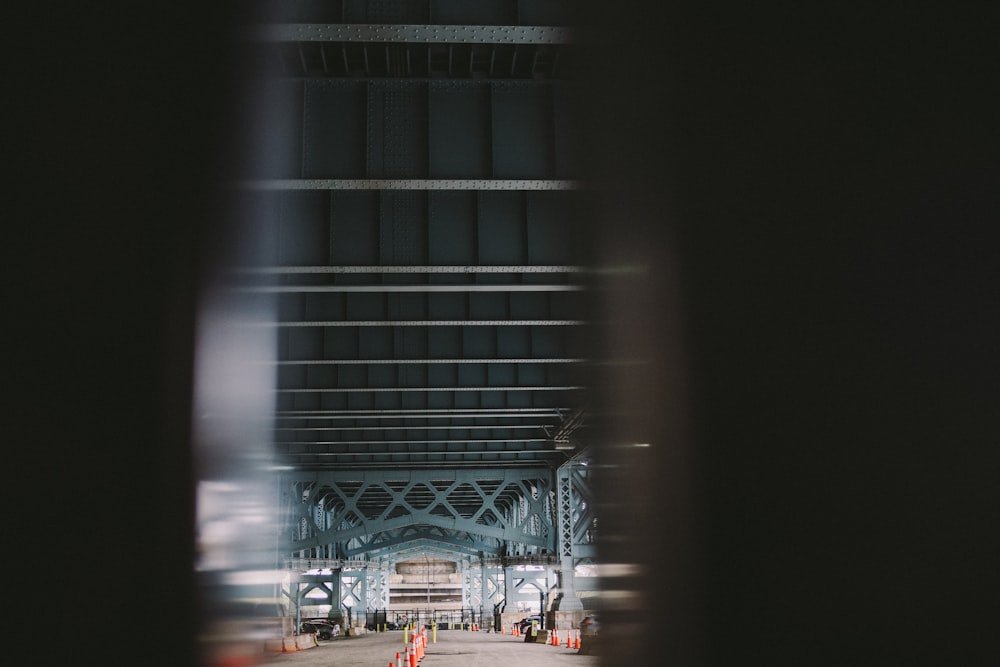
(412, 34)
(425, 323)
(409, 184)
(281, 270)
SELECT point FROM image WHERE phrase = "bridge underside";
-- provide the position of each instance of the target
(796, 197)
(415, 284)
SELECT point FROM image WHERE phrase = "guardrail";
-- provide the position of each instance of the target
(304, 564)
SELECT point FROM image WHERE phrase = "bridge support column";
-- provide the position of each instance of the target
(567, 599)
(486, 604)
(509, 590)
(365, 591)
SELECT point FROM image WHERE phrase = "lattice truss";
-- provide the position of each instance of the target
(483, 587)
(577, 518)
(378, 588)
(528, 585)
(379, 514)
(357, 584)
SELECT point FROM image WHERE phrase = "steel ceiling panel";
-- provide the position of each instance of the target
(375, 33)
(523, 129)
(492, 12)
(334, 123)
(431, 305)
(483, 12)
(460, 130)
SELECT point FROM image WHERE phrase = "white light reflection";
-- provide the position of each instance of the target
(236, 518)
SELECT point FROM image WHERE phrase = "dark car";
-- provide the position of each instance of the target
(525, 623)
(322, 630)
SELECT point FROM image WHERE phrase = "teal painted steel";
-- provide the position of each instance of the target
(420, 199)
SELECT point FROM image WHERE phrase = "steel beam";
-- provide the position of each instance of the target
(420, 323)
(480, 427)
(363, 362)
(435, 456)
(355, 390)
(424, 411)
(429, 413)
(403, 546)
(498, 475)
(295, 289)
(423, 518)
(309, 270)
(409, 33)
(416, 442)
(409, 184)
(421, 462)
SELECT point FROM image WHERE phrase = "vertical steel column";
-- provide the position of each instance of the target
(336, 590)
(363, 594)
(566, 599)
(382, 584)
(509, 590)
(347, 588)
(484, 582)
(466, 584)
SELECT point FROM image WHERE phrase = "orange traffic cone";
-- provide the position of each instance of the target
(578, 633)
(569, 639)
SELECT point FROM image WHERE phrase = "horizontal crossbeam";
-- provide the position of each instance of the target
(444, 269)
(409, 33)
(429, 413)
(355, 390)
(421, 323)
(415, 442)
(478, 427)
(362, 362)
(518, 287)
(421, 518)
(409, 184)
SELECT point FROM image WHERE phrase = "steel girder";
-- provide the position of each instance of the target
(483, 585)
(481, 512)
(382, 517)
(577, 527)
(350, 583)
(577, 518)
(527, 586)
(448, 544)
(418, 197)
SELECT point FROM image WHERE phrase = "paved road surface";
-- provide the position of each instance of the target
(454, 648)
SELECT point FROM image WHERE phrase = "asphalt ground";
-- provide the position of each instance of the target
(454, 648)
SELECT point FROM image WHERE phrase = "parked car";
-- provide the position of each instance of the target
(525, 623)
(322, 630)
(333, 625)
